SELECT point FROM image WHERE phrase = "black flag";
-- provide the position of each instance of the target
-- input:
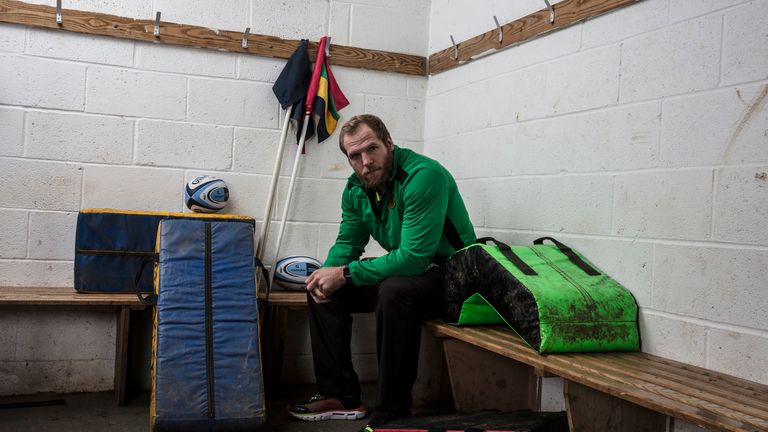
(291, 86)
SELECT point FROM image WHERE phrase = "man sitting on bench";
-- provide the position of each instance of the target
(411, 205)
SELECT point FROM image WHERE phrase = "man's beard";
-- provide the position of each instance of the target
(381, 175)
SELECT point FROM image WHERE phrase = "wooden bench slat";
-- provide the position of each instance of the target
(678, 393)
(716, 400)
(697, 381)
(684, 372)
(19, 296)
(504, 336)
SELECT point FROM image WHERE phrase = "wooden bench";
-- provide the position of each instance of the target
(491, 366)
(35, 298)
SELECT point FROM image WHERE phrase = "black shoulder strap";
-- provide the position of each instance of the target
(511, 256)
(151, 298)
(580, 263)
(257, 262)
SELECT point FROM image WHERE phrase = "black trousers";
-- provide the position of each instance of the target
(401, 305)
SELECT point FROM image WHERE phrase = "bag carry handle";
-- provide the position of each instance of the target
(507, 252)
(580, 263)
(151, 298)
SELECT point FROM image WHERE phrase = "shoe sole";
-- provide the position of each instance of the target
(330, 415)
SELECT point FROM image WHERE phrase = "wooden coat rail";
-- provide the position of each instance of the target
(567, 12)
(16, 12)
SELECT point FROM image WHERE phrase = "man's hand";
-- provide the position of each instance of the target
(322, 283)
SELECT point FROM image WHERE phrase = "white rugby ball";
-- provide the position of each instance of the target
(291, 272)
(206, 194)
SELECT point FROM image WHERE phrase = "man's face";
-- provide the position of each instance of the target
(369, 156)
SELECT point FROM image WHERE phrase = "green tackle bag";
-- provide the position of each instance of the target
(554, 298)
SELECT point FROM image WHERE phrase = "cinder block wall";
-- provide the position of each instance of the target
(100, 122)
(640, 138)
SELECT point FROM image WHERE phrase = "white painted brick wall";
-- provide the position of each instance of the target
(750, 350)
(231, 15)
(723, 127)
(15, 225)
(43, 83)
(132, 188)
(673, 338)
(290, 19)
(723, 285)
(678, 59)
(235, 103)
(623, 23)
(670, 204)
(40, 185)
(12, 37)
(73, 46)
(370, 22)
(35, 273)
(162, 143)
(741, 206)
(136, 94)
(183, 60)
(134, 9)
(11, 130)
(78, 137)
(51, 236)
(745, 42)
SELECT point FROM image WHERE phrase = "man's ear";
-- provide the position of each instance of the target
(390, 143)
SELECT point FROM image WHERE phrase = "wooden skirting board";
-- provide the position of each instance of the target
(567, 12)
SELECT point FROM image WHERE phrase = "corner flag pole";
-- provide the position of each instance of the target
(280, 231)
(262, 242)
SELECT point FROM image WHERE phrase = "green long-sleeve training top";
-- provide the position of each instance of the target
(420, 219)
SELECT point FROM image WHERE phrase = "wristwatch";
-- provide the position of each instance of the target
(347, 275)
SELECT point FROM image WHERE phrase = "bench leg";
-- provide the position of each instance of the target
(594, 411)
(121, 352)
(482, 380)
(273, 344)
(432, 388)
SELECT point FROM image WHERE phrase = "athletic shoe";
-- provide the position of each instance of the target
(320, 407)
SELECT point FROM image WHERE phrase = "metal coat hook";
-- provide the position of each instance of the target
(327, 46)
(245, 37)
(455, 49)
(501, 34)
(551, 12)
(58, 12)
(157, 24)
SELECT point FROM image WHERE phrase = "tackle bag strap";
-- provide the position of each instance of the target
(149, 299)
(580, 263)
(258, 264)
(507, 252)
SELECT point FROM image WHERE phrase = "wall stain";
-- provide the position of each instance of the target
(755, 106)
(762, 176)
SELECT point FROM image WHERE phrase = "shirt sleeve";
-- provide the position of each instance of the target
(352, 238)
(425, 202)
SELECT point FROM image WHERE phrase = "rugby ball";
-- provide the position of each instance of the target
(206, 194)
(291, 272)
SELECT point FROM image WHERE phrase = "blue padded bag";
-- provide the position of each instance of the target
(206, 372)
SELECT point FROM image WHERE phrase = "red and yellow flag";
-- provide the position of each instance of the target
(324, 97)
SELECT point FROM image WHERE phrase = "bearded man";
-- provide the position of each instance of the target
(411, 206)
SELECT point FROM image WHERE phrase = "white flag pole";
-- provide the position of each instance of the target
(290, 192)
(261, 243)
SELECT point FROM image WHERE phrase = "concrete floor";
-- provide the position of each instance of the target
(97, 412)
